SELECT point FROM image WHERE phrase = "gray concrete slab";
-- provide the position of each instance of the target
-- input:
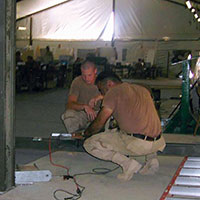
(97, 187)
(38, 114)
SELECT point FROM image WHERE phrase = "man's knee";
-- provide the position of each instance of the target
(97, 141)
(93, 147)
(71, 121)
(87, 144)
(69, 114)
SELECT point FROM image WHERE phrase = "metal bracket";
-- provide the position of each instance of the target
(29, 177)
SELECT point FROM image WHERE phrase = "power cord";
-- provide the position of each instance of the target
(79, 188)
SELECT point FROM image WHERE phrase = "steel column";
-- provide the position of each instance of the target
(183, 121)
(185, 104)
(113, 35)
(7, 91)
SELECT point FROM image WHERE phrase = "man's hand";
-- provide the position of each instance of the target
(79, 136)
(90, 112)
(93, 102)
(86, 134)
(99, 122)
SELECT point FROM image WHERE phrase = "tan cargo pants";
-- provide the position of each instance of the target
(75, 120)
(104, 144)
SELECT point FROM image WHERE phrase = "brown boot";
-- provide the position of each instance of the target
(129, 166)
(150, 167)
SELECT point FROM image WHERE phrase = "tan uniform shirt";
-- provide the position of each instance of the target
(83, 91)
(133, 108)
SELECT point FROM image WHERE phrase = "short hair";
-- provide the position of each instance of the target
(87, 64)
(107, 75)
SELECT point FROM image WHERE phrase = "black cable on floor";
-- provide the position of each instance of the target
(79, 188)
(95, 171)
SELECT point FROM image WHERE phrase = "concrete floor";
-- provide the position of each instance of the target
(38, 115)
(97, 187)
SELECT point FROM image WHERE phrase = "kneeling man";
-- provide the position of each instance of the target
(139, 127)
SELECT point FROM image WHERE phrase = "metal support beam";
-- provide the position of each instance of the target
(113, 36)
(30, 33)
(183, 121)
(7, 55)
(176, 3)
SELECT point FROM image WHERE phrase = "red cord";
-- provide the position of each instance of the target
(57, 165)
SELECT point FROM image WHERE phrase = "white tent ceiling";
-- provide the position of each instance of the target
(80, 20)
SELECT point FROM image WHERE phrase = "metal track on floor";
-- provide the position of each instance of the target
(185, 185)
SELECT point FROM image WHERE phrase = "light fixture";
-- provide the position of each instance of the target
(166, 38)
(196, 16)
(21, 28)
(192, 9)
(188, 4)
(189, 57)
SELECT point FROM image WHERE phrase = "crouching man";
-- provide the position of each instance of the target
(81, 108)
(140, 128)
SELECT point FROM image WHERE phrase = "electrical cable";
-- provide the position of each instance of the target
(68, 176)
(79, 188)
(97, 171)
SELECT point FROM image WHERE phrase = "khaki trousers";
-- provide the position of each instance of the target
(75, 120)
(105, 144)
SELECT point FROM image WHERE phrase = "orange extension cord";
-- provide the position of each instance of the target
(57, 165)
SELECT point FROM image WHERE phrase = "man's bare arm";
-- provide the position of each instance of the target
(95, 100)
(74, 105)
(99, 122)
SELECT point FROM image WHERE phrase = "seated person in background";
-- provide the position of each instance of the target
(140, 128)
(78, 112)
(33, 68)
(140, 64)
(139, 68)
(48, 57)
(31, 63)
(77, 67)
(18, 57)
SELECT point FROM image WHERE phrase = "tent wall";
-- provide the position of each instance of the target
(153, 19)
(140, 26)
(74, 20)
(88, 20)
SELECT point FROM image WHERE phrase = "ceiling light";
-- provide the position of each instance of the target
(188, 4)
(166, 38)
(192, 10)
(198, 19)
(21, 28)
(196, 16)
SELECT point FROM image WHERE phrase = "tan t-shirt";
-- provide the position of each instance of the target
(84, 92)
(133, 108)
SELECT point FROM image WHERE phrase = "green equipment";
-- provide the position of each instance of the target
(183, 121)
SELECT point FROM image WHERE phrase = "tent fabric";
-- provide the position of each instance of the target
(153, 19)
(88, 20)
(28, 7)
(74, 20)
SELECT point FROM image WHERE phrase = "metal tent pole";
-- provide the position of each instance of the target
(113, 36)
(7, 91)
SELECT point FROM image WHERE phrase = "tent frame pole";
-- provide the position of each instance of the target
(7, 93)
(113, 36)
